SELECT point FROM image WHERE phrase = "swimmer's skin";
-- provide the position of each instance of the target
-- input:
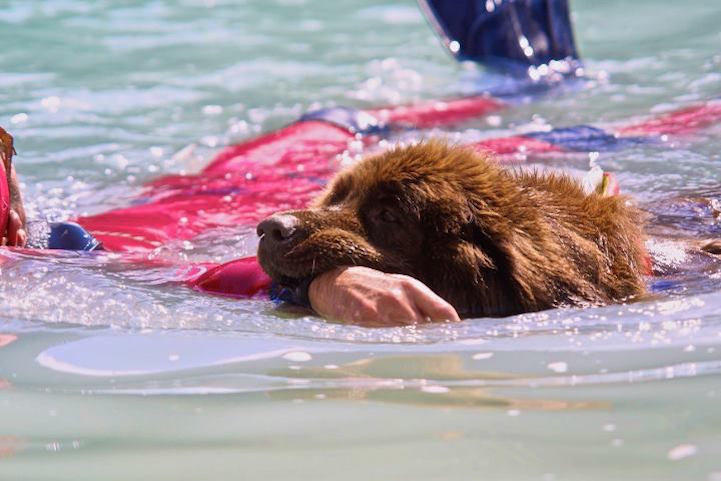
(376, 299)
(15, 234)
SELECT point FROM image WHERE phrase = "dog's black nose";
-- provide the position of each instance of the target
(278, 228)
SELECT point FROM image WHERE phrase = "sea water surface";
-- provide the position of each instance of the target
(108, 373)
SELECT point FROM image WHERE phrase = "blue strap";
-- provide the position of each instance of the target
(665, 285)
(508, 35)
(296, 295)
(585, 138)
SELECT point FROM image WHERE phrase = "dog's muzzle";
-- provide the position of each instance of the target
(279, 231)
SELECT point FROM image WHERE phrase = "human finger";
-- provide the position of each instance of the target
(16, 235)
(22, 238)
(430, 305)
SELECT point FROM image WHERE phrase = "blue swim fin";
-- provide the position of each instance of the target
(507, 35)
(67, 236)
(71, 236)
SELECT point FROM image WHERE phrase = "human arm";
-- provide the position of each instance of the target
(349, 294)
(376, 299)
(14, 233)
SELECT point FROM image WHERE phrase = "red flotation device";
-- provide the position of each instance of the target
(6, 153)
(4, 201)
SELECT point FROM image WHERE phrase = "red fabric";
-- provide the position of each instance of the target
(242, 185)
(515, 145)
(437, 112)
(681, 121)
(239, 278)
(4, 200)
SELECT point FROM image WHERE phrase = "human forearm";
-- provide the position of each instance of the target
(376, 299)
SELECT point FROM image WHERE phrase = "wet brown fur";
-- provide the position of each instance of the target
(490, 241)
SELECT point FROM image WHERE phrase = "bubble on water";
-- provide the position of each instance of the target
(482, 355)
(297, 356)
(185, 154)
(212, 110)
(389, 82)
(211, 141)
(51, 104)
(494, 120)
(53, 446)
(20, 118)
(675, 306)
(559, 367)
(239, 128)
(682, 451)
(157, 151)
(434, 389)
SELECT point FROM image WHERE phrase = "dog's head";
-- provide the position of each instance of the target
(431, 211)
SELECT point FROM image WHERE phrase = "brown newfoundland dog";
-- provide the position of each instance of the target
(490, 241)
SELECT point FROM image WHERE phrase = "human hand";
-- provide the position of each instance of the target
(376, 299)
(15, 234)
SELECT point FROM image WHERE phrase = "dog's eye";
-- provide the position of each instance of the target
(386, 216)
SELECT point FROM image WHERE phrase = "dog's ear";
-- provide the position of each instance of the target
(481, 267)
(520, 266)
(450, 214)
(454, 216)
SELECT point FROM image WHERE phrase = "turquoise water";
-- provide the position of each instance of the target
(106, 373)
